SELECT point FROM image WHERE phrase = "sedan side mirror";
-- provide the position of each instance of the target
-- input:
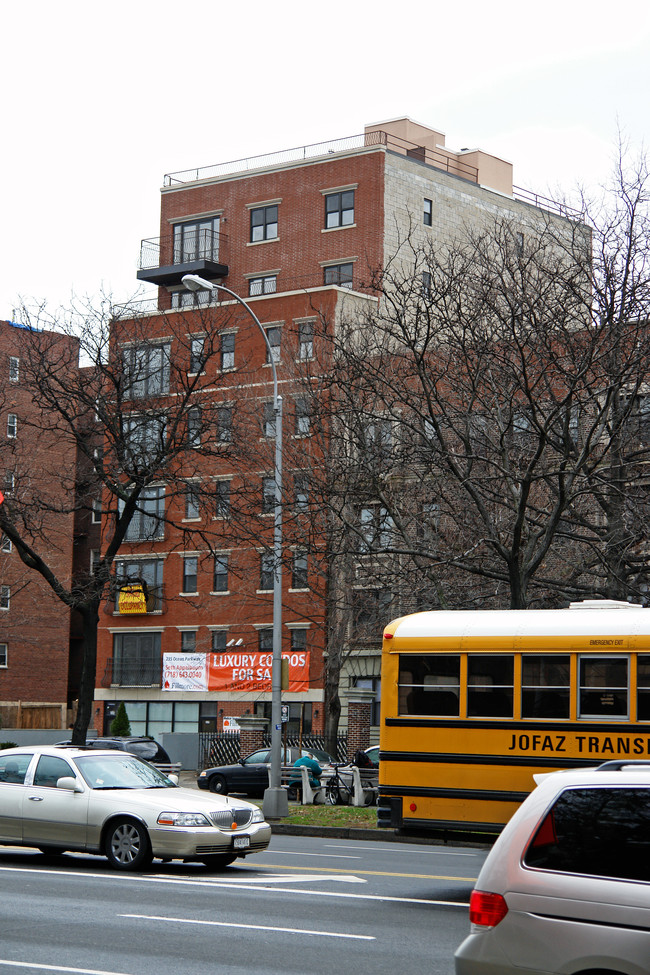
(70, 783)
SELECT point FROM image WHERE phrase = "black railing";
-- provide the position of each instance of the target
(132, 673)
(167, 251)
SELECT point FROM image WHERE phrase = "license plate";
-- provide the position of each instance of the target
(241, 842)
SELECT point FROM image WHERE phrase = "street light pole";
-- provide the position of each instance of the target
(275, 803)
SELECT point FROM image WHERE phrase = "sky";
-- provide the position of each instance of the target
(99, 101)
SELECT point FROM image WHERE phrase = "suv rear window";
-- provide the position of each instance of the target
(596, 831)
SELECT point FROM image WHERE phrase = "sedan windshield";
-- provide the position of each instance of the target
(121, 772)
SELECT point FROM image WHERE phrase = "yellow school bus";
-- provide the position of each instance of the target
(474, 703)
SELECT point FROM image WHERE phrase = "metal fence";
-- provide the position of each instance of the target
(223, 748)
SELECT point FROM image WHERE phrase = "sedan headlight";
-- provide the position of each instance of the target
(258, 816)
(182, 819)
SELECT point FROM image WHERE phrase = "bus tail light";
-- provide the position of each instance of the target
(486, 909)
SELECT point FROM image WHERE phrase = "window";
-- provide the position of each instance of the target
(267, 563)
(545, 686)
(94, 560)
(490, 686)
(194, 427)
(219, 639)
(10, 482)
(339, 209)
(14, 369)
(5, 597)
(222, 499)
(339, 274)
(12, 426)
(602, 690)
(97, 511)
(428, 213)
(192, 507)
(264, 223)
(298, 639)
(429, 521)
(274, 336)
(305, 340)
(188, 641)
(369, 606)
(299, 572)
(197, 354)
(268, 495)
(377, 441)
(146, 370)
(137, 660)
(3, 654)
(376, 528)
(426, 284)
(190, 573)
(266, 284)
(301, 492)
(227, 351)
(196, 239)
(49, 770)
(220, 573)
(429, 685)
(595, 831)
(268, 419)
(147, 523)
(224, 424)
(147, 572)
(144, 437)
(302, 427)
(192, 299)
(643, 688)
(5, 544)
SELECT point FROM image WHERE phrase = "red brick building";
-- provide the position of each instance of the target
(298, 235)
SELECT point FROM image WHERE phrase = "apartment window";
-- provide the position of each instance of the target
(376, 528)
(146, 370)
(196, 239)
(265, 639)
(188, 641)
(426, 284)
(3, 654)
(10, 482)
(302, 426)
(192, 299)
(97, 511)
(305, 340)
(137, 660)
(266, 571)
(299, 571)
(5, 544)
(298, 639)
(14, 369)
(147, 572)
(197, 354)
(190, 573)
(219, 639)
(227, 351)
(192, 507)
(224, 424)
(144, 436)
(194, 427)
(301, 492)
(5, 596)
(339, 209)
(220, 583)
(377, 440)
(428, 213)
(12, 426)
(274, 335)
(94, 560)
(147, 522)
(222, 499)
(339, 274)
(266, 284)
(268, 495)
(264, 223)
(268, 419)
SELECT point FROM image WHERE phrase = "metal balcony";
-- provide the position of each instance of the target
(164, 260)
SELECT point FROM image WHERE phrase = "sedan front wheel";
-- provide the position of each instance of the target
(127, 845)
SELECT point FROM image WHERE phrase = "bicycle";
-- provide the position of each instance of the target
(337, 790)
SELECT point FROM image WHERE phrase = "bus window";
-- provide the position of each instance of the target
(545, 686)
(490, 686)
(643, 688)
(429, 685)
(603, 687)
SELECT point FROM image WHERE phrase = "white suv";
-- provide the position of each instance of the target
(565, 889)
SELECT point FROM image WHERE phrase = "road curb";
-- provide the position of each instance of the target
(380, 836)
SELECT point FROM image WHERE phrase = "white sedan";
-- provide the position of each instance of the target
(59, 798)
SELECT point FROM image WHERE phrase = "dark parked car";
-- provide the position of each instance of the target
(145, 748)
(250, 776)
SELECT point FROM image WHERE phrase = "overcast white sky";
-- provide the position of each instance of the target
(99, 101)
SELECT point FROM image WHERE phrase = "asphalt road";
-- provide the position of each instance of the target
(307, 904)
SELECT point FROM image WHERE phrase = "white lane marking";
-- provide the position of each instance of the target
(280, 878)
(250, 927)
(292, 853)
(56, 968)
(391, 849)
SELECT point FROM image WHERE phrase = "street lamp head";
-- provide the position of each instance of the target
(194, 283)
